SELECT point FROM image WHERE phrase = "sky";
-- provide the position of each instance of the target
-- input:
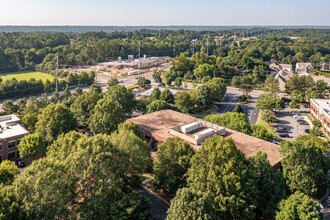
(164, 12)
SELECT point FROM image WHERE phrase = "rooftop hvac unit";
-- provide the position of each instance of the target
(205, 133)
(191, 127)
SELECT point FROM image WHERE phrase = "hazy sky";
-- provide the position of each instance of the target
(164, 12)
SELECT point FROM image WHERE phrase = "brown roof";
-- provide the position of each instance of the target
(158, 123)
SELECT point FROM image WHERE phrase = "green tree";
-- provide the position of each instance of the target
(123, 96)
(260, 131)
(191, 204)
(83, 106)
(271, 186)
(142, 81)
(106, 116)
(178, 82)
(96, 88)
(8, 172)
(112, 82)
(167, 96)
(135, 152)
(54, 120)
(232, 120)
(304, 167)
(271, 85)
(9, 107)
(268, 116)
(203, 70)
(183, 101)
(173, 161)
(246, 89)
(268, 101)
(157, 76)
(131, 206)
(221, 171)
(204, 96)
(155, 94)
(218, 89)
(238, 109)
(299, 206)
(158, 105)
(32, 145)
(30, 120)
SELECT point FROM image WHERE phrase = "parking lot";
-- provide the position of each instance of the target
(286, 119)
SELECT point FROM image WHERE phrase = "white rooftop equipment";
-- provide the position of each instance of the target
(191, 127)
(205, 133)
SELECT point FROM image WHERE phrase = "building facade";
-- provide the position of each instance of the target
(11, 133)
(320, 111)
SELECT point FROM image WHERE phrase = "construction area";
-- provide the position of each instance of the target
(131, 66)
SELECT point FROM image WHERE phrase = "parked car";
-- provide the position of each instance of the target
(302, 122)
(296, 115)
(276, 142)
(283, 134)
(307, 130)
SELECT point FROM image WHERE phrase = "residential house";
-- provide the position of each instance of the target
(325, 66)
(281, 72)
(304, 68)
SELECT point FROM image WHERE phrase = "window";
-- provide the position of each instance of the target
(0, 158)
(11, 155)
(18, 141)
(11, 144)
(0, 147)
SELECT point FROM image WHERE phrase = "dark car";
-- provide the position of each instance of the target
(283, 134)
(20, 163)
(307, 130)
(302, 122)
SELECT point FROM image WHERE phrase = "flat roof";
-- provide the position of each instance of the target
(161, 89)
(158, 123)
(324, 104)
(10, 127)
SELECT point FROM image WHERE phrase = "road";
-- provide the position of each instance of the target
(232, 96)
(157, 207)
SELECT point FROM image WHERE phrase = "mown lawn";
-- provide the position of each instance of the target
(26, 75)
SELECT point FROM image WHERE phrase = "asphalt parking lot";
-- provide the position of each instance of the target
(287, 120)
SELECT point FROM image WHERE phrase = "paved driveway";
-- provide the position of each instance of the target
(157, 207)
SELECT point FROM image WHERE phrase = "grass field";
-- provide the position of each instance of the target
(26, 75)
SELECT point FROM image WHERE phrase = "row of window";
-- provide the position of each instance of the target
(11, 144)
(11, 156)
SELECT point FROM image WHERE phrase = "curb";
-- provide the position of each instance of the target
(324, 197)
(160, 198)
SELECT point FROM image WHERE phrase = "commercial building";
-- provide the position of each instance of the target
(158, 126)
(148, 92)
(320, 111)
(11, 133)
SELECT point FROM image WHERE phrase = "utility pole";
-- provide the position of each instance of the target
(139, 58)
(56, 73)
(207, 50)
